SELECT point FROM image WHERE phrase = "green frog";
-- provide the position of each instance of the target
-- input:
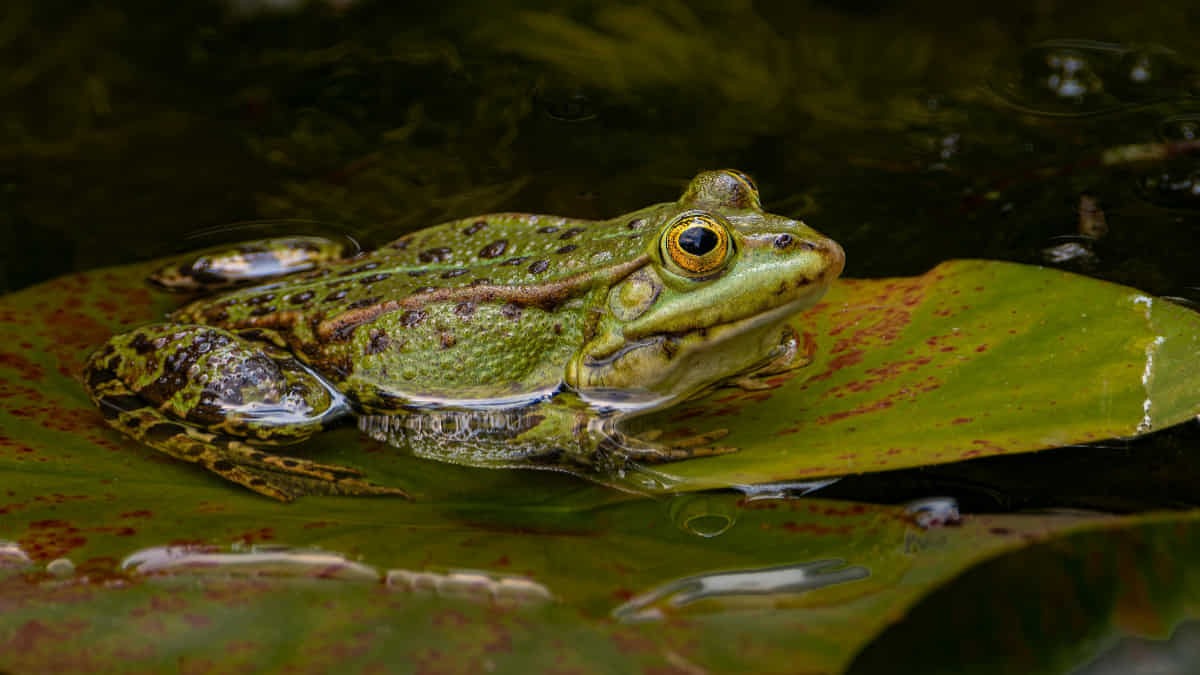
(504, 340)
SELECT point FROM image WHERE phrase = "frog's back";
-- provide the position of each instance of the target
(490, 307)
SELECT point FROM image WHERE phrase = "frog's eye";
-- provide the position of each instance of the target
(697, 244)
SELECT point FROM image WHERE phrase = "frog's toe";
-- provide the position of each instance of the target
(286, 487)
(285, 478)
(701, 439)
(675, 454)
(699, 445)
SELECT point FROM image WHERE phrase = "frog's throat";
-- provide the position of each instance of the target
(547, 296)
(663, 369)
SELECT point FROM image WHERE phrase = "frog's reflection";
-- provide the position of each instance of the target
(793, 578)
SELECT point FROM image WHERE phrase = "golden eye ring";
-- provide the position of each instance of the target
(697, 244)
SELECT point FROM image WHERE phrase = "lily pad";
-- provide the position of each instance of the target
(383, 583)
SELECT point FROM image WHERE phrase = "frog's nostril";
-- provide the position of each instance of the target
(783, 241)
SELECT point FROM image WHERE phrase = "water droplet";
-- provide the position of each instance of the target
(704, 515)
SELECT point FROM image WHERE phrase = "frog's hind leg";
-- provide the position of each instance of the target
(136, 381)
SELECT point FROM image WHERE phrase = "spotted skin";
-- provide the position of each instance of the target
(500, 340)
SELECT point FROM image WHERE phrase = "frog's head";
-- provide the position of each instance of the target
(722, 280)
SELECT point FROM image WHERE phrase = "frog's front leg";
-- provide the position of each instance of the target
(205, 395)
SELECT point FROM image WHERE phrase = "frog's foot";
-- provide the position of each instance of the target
(644, 447)
(206, 396)
(792, 354)
(276, 476)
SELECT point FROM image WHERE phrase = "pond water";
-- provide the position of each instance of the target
(1049, 133)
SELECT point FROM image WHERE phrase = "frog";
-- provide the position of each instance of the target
(505, 340)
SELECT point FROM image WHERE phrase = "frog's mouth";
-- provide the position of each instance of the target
(668, 342)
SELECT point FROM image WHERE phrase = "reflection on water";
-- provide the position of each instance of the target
(783, 489)
(471, 584)
(283, 562)
(12, 557)
(1179, 654)
(934, 512)
(795, 578)
(280, 562)
(1072, 78)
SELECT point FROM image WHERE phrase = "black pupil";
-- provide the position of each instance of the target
(698, 240)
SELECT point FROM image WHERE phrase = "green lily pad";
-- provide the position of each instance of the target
(378, 583)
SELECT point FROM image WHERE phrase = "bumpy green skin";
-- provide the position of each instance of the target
(501, 340)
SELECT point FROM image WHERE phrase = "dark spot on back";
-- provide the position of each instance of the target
(400, 244)
(361, 268)
(111, 406)
(474, 227)
(424, 289)
(412, 317)
(464, 309)
(260, 299)
(373, 278)
(494, 249)
(365, 302)
(163, 431)
(99, 376)
(221, 465)
(636, 223)
(141, 344)
(379, 341)
(456, 272)
(547, 230)
(262, 311)
(567, 234)
(783, 241)
(539, 267)
(515, 261)
(438, 254)
(511, 311)
(301, 298)
(334, 296)
(567, 249)
(417, 273)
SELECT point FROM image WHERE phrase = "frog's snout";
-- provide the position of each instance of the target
(836, 257)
